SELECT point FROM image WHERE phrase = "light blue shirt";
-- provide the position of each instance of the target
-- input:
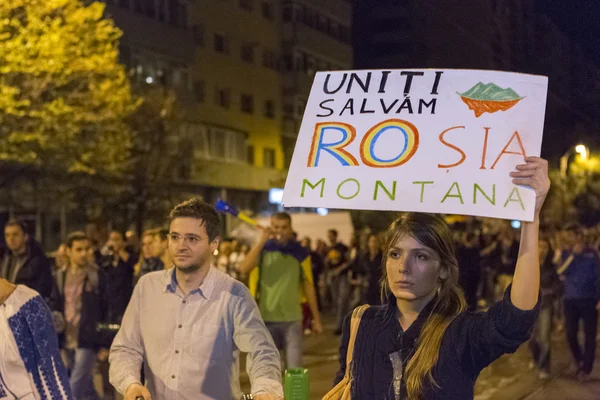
(189, 345)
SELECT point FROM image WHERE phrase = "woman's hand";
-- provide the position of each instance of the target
(534, 173)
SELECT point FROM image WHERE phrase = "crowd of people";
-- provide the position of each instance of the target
(97, 292)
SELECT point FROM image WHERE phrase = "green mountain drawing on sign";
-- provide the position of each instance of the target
(490, 92)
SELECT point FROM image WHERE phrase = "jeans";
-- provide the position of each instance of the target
(288, 337)
(340, 291)
(541, 339)
(576, 310)
(81, 363)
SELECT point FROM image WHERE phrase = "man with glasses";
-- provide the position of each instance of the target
(187, 325)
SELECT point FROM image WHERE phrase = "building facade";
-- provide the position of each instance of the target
(507, 35)
(242, 69)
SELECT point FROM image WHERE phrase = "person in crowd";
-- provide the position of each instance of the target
(223, 258)
(83, 290)
(30, 363)
(505, 257)
(117, 264)
(281, 275)
(368, 265)
(160, 247)
(317, 265)
(469, 259)
(146, 262)
(132, 245)
(422, 344)
(541, 341)
(185, 326)
(487, 289)
(580, 270)
(338, 266)
(24, 261)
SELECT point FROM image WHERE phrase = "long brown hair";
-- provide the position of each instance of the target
(432, 231)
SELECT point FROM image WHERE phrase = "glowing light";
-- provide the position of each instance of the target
(149, 80)
(322, 211)
(581, 150)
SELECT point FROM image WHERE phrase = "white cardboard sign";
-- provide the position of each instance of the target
(441, 141)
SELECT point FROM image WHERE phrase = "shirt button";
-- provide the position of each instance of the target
(180, 326)
(184, 302)
(176, 351)
(173, 376)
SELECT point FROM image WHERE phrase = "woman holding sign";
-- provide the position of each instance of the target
(422, 345)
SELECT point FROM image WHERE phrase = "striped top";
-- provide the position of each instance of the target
(30, 363)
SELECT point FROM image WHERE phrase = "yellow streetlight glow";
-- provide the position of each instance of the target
(582, 150)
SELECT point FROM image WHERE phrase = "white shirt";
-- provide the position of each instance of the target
(21, 314)
(189, 344)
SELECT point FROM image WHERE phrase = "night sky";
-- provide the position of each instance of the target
(579, 19)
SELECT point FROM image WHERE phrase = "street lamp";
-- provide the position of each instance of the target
(580, 149)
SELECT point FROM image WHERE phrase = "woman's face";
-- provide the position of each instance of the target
(413, 270)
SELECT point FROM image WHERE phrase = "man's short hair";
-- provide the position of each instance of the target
(149, 232)
(17, 222)
(199, 209)
(333, 231)
(161, 233)
(77, 236)
(283, 216)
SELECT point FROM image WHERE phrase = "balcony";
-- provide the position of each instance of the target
(147, 33)
(236, 176)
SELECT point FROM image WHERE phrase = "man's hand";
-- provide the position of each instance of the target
(103, 355)
(267, 396)
(265, 234)
(317, 327)
(135, 391)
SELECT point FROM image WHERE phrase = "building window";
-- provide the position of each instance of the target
(251, 155)
(174, 12)
(269, 158)
(287, 13)
(198, 33)
(183, 15)
(246, 4)
(161, 11)
(221, 44)
(140, 6)
(247, 103)
(269, 59)
(288, 109)
(267, 10)
(199, 91)
(151, 8)
(247, 52)
(223, 98)
(270, 109)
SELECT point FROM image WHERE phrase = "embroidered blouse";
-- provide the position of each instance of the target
(30, 363)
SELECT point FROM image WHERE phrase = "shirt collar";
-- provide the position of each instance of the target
(206, 287)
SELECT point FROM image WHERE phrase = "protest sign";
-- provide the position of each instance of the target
(441, 141)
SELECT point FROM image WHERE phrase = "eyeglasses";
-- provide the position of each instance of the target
(187, 239)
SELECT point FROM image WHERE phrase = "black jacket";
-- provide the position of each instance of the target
(471, 342)
(34, 273)
(94, 309)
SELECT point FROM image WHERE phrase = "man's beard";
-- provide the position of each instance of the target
(188, 269)
(191, 268)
